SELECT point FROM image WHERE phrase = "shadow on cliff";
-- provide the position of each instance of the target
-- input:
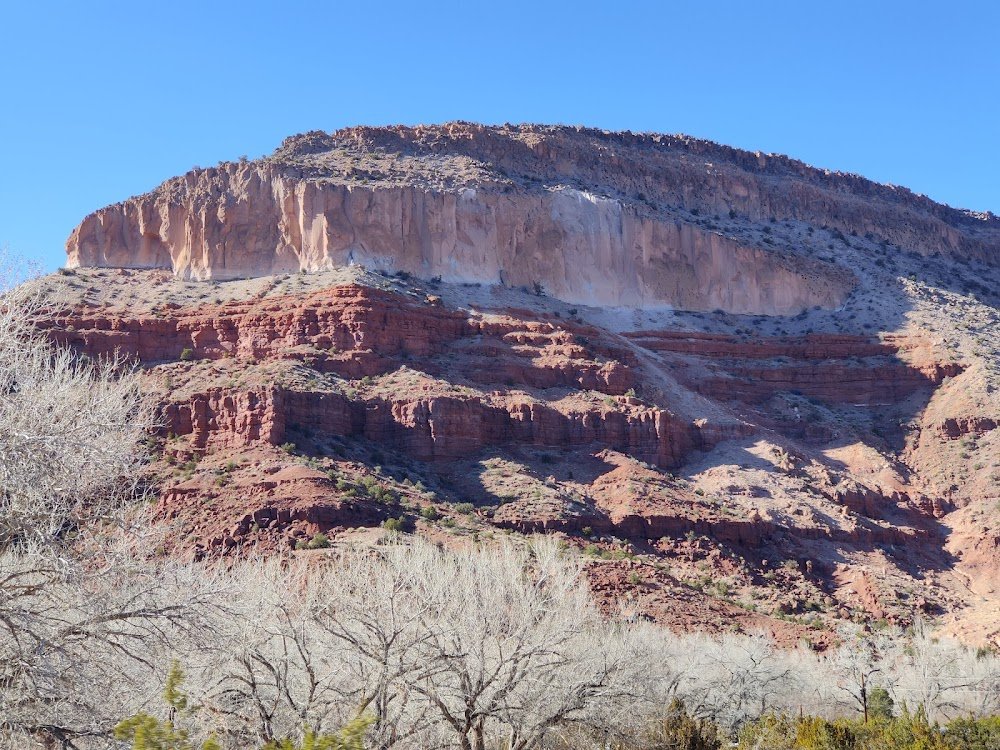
(494, 476)
(905, 529)
(957, 275)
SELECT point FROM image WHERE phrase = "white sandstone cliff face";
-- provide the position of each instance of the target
(252, 220)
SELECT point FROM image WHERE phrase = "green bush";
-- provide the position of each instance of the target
(397, 525)
(908, 731)
(187, 354)
(880, 703)
(146, 732)
(974, 734)
(378, 492)
(351, 737)
(679, 731)
(320, 541)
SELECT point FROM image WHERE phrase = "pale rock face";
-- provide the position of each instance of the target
(579, 247)
(593, 217)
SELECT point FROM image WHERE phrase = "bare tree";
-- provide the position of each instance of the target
(269, 672)
(732, 678)
(518, 645)
(941, 675)
(376, 622)
(77, 597)
(861, 661)
(440, 648)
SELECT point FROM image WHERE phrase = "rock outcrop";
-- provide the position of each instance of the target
(354, 332)
(580, 247)
(433, 429)
(590, 218)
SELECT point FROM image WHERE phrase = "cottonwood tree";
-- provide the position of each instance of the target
(440, 648)
(314, 643)
(732, 678)
(376, 618)
(939, 674)
(77, 597)
(862, 661)
(983, 666)
(519, 647)
(270, 672)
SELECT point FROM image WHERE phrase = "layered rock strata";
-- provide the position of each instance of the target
(355, 332)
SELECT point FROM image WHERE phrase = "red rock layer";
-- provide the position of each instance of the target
(440, 428)
(356, 331)
(860, 370)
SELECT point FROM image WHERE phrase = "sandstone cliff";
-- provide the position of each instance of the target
(587, 216)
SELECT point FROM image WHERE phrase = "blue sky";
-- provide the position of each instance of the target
(103, 100)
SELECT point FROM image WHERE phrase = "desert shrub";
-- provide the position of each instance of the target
(145, 732)
(814, 733)
(384, 495)
(678, 730)
(908, 731)
(974, 734)
(319, 541)
(769, 732)
(377, 491)
(780, 732)
(398, 525)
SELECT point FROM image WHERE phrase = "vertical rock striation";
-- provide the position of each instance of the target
(587, 216)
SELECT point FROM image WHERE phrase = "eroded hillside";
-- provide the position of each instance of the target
(754, 393)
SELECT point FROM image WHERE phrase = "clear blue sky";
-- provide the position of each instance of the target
(102, 100)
